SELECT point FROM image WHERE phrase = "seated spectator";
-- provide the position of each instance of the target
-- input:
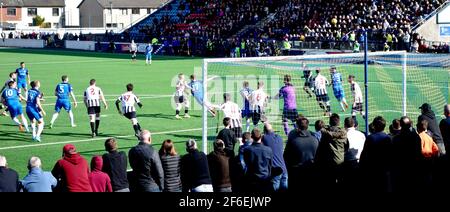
(147, 173)
(100, 181)
(72, 171)
(219, 168)
(275, 142)
(9, 179)
(38, 180)
(115, 165)
(195, 175)
(170, 161)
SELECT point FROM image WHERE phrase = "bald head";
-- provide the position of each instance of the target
(34, 162)
(2, 161)
(146, 137)
(405, 123)
(447, 110)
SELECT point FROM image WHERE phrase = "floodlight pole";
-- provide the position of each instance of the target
(1, 16)
(366, 83)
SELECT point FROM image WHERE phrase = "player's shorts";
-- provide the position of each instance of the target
(256, 115)
(148, 56)
(323, 98)
(133, 54)
(33, 113)
(21, 84)
(130, 115)
(308, 84)
(15, 110)
(290, 114)
(339, 94)
(237, 132)
(246, 113)
(358, 108)
(179, 99)
(93, 110)
(62, 103)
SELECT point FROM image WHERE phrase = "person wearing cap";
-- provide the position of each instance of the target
(195, 176)
(428, 114)
(147, 174)
(72, 171)
(38, 180)
(444, 126)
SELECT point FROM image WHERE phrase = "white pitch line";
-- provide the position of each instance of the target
(65, 62)
(96, 139)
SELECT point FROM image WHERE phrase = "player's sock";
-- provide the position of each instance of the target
(97, 124)
(247, 125)
(286, 127)
(33, 129)
(355, 120)
(40, 129)
(25, 124)
(186, 111)
(342, 105)
(54, 117)
(139, 127)
(92, 127)
(16, 120)
(71, 118)
(136, 129)
(177, 112)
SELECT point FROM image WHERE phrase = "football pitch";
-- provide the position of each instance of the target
(154, 85)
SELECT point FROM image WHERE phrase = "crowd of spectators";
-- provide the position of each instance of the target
(406, 159)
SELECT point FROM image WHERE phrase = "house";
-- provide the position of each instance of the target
(21, 13)
(116, 13)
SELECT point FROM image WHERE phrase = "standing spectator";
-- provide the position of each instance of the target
(330, 153)
(37, 180)
(428, 114)
(237, 164)
(9, 179)
(299, 155)
(72, 171)
(318, 126)
(170, 161)
(353, 151)
(100, 181)
(258, 159)
(219, 167)
(394, 128)
(445, 126)
(115, 165)
(147, 174)
(275, 142)
(376, 158)
(227, 136)
(195, 175)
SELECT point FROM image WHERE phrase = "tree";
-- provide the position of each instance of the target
(38, 21)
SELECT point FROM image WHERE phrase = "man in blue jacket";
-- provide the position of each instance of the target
(275, 142)
(38, 180)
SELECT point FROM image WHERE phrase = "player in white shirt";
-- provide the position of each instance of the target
(232, 111)
(320, 89)
(357, 106)
(180, 97)
(258, 100)
(246, 112)
(92, 97)
(133, 50)
(127, 101)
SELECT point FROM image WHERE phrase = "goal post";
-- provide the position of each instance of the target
(393, 90)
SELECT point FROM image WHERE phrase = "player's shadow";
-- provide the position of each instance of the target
(161, 116)
(186, 137)
(102, 151)
(14, 136)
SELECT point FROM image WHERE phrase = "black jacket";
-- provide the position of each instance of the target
(9, 180)
(300, 149)
(228, 137)
(433, 128)
(147, 168)
(194, 170)
(172, 173)
(115, 165)
(219, 168)
(445, 130)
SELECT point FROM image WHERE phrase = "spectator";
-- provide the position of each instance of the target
(115, 165)
(318, 126)
(195, 175)
(219, 168)
(227, 136)
(147, 174)
(353, 151)
(37, 180)
(376, 158)
(9, 179)
(258, 159)
(428, 114)
(444, 126)
(394, 128)
(330, 153)
(72, 171)
(275, 142)
(246, 142)
(238, 166)
(429, 148)
(170, 161)
(299, 155)
(100, 181)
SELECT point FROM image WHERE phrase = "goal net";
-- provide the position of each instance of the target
(398, 83)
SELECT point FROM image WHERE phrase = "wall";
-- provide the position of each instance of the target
(72, 13)
(25, 43)
(81, 45)
(45, 12)
(8, 18)
(430, 31)
(123, 17)
(91, 14)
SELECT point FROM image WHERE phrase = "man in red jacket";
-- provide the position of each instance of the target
(72, 171)
(100, 181)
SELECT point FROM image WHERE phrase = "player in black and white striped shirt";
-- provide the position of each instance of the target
(357, 106)
(128, 99)
(320, 89)
(92, 97)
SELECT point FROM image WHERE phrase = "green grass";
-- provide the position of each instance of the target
(154, 85)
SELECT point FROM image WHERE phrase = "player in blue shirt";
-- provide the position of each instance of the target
(34, 110)
(12, 77)
(23, 78)
(148, 54)
(11, 97)
(63, 92)
(196, 87)
(338, 90)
